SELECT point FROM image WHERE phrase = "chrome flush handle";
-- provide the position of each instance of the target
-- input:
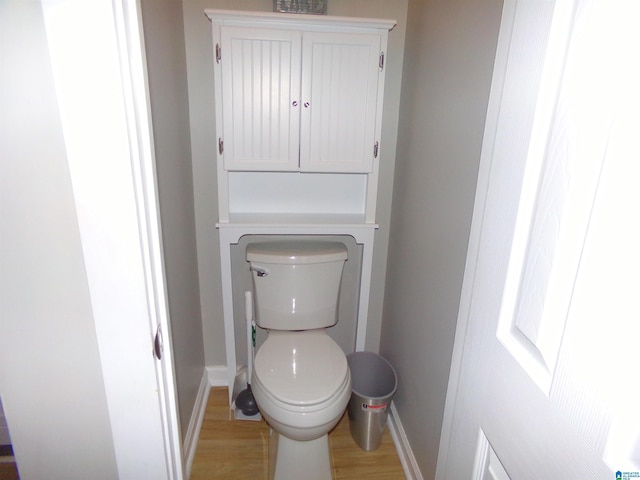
(260, 271)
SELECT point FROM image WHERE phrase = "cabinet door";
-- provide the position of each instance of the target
(340, 74)
(260, 98)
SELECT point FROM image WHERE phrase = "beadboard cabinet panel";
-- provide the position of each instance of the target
(339, 91)
(295, 100)
(260, 96)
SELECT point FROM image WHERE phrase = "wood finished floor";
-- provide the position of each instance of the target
(237, 449)
(8, 466)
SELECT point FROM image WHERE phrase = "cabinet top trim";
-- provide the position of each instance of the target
(272, 19)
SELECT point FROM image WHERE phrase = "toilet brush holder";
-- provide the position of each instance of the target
(245, 406)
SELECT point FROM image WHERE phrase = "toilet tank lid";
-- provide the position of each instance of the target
(296, 252)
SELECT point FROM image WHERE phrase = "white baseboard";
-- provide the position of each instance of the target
(217, 376)
(211, 377)
(405, 454)
(195, 424)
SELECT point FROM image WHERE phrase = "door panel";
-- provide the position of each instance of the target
(549, 318)
(487, 465)
(339, 94)
(261, 95)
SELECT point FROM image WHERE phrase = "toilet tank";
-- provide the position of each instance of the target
(296, 284)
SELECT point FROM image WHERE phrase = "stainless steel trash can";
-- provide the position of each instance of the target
(374, 382)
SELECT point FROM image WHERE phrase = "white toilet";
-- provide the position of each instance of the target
(301, 380)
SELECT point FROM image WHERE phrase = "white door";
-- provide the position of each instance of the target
(260, 98)
(340, 75)
(98, 64)
(544, 381)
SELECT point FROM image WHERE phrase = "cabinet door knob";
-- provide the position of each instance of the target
(294, 103)
(306, 104)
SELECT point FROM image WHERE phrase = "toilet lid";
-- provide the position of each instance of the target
(301, 368)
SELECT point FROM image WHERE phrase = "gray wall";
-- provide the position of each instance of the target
(201, 108)
(166, 64)
(450, 48)
(50, 374)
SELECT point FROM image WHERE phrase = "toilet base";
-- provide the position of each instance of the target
(295, 460)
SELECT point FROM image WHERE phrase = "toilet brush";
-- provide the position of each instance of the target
(245, 400)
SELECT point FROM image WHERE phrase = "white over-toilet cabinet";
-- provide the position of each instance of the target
(298, 119)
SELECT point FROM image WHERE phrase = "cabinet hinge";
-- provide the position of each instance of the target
(375, 150)
(381, 61)
(220, 146)
(218, 53)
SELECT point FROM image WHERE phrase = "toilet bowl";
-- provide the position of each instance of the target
(301, 380)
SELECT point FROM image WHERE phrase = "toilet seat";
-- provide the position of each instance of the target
(301, 371)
